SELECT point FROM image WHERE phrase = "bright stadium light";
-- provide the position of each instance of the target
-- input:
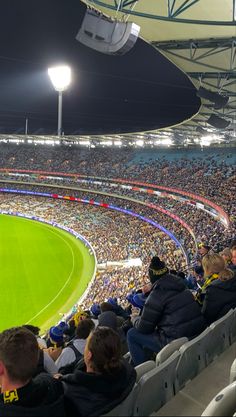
(60, 77)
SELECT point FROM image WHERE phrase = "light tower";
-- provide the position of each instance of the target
(60, 77)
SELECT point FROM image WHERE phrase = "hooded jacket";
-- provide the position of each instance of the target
(43, 396)
(171, 310)
(89, 394)
(219, 299)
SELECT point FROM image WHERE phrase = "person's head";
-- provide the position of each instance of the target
(213, 263)
(226, 255)
(19, 355)
(103, 351)
(84, 328)
(233, 255)
(203, 249)
(157, 269)
(95, 309)
(79, 316)
(106, 307)
(56, 336)
(34, 329)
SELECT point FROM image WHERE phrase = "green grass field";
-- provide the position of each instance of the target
(43, 272)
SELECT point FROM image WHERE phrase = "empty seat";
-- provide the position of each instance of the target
(156, 387)
(169, 349)
(232, 376)
(143, 368)
(193, 359)
(232, 334)
(220, 336)
(224, 403)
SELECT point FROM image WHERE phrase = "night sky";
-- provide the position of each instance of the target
(138, 91)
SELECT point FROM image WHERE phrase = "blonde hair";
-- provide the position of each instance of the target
(213, 263)
(227, 253)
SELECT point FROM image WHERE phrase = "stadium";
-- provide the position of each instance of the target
(118, 236)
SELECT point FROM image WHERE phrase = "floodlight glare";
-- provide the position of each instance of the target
(60, 77)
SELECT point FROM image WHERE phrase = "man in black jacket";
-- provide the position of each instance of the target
(20, 394)
(170, 312)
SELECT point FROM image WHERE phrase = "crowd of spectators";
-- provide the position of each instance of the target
(106, 230)
(85, 371)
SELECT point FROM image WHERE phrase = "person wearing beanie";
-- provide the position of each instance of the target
(220, 294)
(55, 342)
(170, 312)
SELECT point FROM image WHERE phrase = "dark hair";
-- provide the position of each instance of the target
(19, 353)
(84, 328)
(105, 346)
(181, 274)
(106, 307)
(33, 329)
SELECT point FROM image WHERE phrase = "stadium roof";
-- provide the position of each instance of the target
(199, 36)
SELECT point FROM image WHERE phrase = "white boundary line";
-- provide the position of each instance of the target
(82, 239)
(67, 281)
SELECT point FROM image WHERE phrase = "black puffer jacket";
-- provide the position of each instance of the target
(171, 310)
(43, 396)
(88, 394)
(219, 299)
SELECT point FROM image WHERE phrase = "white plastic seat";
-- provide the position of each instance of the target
(232, 376)
(220, 336)
(224, 403)
(156, 387)
(233, 328)
(144, 368)
(169, 349)
(193, 358)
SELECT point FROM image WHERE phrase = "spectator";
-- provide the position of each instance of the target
(170, 312)
(107, 380)
(221, 293)
(233, 259)
(75, 349)
(45, 362)
(226, 255)
(107, 317)
(210, 268)
(20, 394)
(35, 330)
(55, 342)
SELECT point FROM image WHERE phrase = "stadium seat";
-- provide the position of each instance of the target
(156, 387)
(143, 368)
(223, 404)
(233, 328)
(220, 336)
(193, 358)
(169, 349)
(126, 407)
(232, 376)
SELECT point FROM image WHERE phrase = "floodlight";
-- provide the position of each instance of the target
(60, 77)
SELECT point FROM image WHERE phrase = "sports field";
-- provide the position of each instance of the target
(43, 272)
